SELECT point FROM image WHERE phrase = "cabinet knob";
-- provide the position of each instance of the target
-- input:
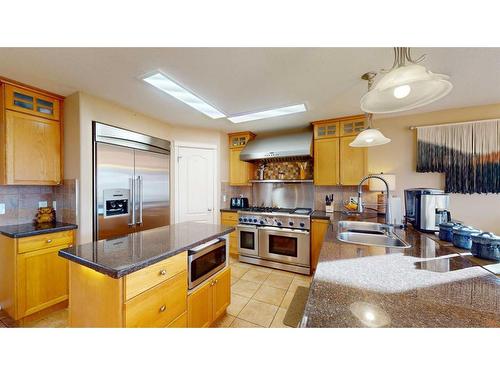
(49, 240)
(216, 281)
(163, 272)
(163, 308)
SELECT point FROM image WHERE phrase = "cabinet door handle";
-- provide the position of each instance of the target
(163, 272)
(216, 281)
(163, 308)
(49, 240)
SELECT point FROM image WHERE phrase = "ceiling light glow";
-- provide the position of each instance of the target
(283, 111)
(402, 91)
(165, 84)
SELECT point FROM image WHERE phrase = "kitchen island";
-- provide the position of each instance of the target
(138, 280)
(426, 285)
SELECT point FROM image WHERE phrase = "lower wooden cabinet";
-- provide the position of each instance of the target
(153, 297)
(318, 232)
(33, 277)
(210, 301)
(231, 220)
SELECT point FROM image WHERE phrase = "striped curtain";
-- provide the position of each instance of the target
(468, 154)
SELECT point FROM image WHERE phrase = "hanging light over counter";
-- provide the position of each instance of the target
(407, 85)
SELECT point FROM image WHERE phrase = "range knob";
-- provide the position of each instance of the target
(302, 225)
(240, 219)
(254, 220)
(261, 222)
(290, 223)
(245, 219)
(278, 223)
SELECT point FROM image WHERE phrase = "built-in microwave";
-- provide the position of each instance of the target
(206, 260)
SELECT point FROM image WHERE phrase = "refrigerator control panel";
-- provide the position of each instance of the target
(116, 202)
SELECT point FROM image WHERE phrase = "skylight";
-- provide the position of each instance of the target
(269, 113)
(165, 84)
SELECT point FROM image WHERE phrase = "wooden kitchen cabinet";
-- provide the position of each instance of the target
(30, 135)
(33, 278)
(154, 297)
(240, 172)
(353, 162)
(318, 232)
(231, 220)
(210, 301)
(335, 162)
(326, 161)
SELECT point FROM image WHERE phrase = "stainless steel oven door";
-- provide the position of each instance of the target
(285, 245)
(248, 240)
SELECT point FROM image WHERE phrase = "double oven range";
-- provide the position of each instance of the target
(275, 237)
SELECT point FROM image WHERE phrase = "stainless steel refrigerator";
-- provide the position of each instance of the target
(131, 181)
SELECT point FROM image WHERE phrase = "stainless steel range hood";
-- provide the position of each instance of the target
(291, 146)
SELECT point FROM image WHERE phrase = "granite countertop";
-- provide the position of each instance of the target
(33, 229)
(120, 256)
(426, 285)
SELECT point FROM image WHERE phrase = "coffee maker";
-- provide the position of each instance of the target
(427, 208)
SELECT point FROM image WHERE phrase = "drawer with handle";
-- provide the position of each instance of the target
(44, 241)
(229, 216)
(142, 280)
(158, 306)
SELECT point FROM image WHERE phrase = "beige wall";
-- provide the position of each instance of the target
(479, 210)
(81, 109)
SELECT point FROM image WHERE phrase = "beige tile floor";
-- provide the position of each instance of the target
(260, 297)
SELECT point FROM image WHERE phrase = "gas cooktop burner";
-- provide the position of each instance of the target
(296, 211)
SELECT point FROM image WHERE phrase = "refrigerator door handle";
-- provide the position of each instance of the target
(131, 203)
(140, 188)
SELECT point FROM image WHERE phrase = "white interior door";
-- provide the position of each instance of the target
(196, 180)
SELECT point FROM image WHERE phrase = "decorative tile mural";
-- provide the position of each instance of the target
(286, 170)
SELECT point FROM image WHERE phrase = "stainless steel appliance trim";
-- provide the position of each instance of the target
(200, 253)
(281, 181)
(255, 213)
(278, 229)
(121, 137)
(303, 245)
(280, 266)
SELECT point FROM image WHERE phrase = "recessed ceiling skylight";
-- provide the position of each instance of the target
(165, 84)
(269, 113)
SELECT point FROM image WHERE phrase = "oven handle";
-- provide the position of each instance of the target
(274, 229)
(247, 226)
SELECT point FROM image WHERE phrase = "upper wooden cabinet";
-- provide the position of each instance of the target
(335, 162)
(30, 136)
(239, 171)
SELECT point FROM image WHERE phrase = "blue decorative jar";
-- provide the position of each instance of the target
(446, 230)
(462, 237)
(486, 245)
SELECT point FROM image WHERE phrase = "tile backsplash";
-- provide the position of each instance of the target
(21, 202)
(289, 169)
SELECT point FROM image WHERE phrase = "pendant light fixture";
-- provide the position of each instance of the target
(369, 137)
(407, 85)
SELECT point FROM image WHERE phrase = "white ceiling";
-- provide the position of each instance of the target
(238, 80)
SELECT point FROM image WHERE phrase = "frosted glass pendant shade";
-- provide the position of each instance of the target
(369, 138)
(404, 88)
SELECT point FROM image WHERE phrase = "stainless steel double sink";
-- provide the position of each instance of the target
(370, 234)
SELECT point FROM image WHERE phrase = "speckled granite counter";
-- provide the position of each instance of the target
(426, 285)
(228, 210)
(120, 256)
(32, 229)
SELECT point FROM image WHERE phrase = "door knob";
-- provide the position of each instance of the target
(209, 210)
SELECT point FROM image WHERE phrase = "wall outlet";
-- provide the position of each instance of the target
(42, 204)
(224, 198)
(54, 205)
(2, 208)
